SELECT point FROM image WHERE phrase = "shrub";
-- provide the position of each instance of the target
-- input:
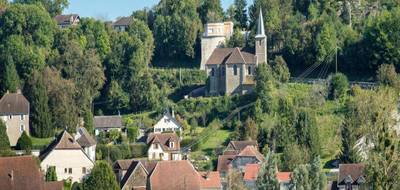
(24, 142)
(338, 86)
(386, 75)
(132, 133)
(138, 150)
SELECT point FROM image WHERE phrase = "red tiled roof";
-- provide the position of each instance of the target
(210, 180)
(355, 171)
(177, 175)
(54, 185)
(22, 173)
(251, 172)
(283, 176)
(224, 162)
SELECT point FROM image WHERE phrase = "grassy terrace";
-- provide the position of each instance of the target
(41, 143)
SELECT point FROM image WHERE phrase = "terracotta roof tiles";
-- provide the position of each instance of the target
(210, 180)
(251, 172)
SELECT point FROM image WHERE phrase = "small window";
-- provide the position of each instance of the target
(212, 72)
(249, 70)
(171, 144)
(22, 128)
(84, 170)
(22, 117)
(10, 117)
(65, 170)
(155, 146)
(69, 170)
(234, 70)
(161, 155)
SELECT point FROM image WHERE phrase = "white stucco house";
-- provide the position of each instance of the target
(167, 123)
(164, 146)
(68, 157)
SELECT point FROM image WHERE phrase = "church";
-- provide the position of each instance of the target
(232, 70)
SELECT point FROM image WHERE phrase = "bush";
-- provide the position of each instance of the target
(387, 75)
(132, 133)
(338, 86)
(138, 150)
(24, 142)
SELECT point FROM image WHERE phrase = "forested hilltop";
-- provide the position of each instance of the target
(74, 73)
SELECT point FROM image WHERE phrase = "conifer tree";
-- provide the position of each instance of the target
(51, 174)
(88, 121)
(266, 179)
(4, 142)
(317, 177)
(41, 121)
(10, 78)
(24, 142)
(101, 178)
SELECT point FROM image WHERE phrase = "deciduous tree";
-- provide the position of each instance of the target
(101, 178)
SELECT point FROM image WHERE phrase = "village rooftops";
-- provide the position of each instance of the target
(14, 104)
(23, 173)
(123, 21)
(351, 173)
(177, 175)
(240, 145)
(210, 180)
(165, 139)
(222, 56)
(114, 121)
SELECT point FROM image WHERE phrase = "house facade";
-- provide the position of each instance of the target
(14, 111)
(65, 21)
(86, 141)
(67, 156)
(164, 146)
(232, 70)
(167, 123)
(107, 123)
(214, 36)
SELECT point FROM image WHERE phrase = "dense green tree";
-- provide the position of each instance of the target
(300, 179)
(176, 28)
(266, 179)
(294, 155)
(236, 40)
(326, 44)
(143, 93)
(118, 99)
(132, 133)
(387, 75)
(251, 129)
(88, 121)
(349, 136)
(93, 35)
(317, 176)
(338, 86)
(101, 178)
(265, 88)
(240, 16)
(24, 142)
(54, 7)
(235, 180)
(280, 70)
(10, 80)
(307, 132)
(25, 44)
(210, 11)
(41, 125)
(51, 174)
(381, 35)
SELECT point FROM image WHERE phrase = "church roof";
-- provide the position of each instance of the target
(260, 26)
(231, 56)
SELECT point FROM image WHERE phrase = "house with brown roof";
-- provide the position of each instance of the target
(107, 123)
(65, 21)
(210, 180)
(351, 176)
(23, 173)
(121, 168)
(87, 142)
(164, 146)
(68, 157)
(177, 175)
(232, 70)
(14, 111)
(122, 23)
(238, 146)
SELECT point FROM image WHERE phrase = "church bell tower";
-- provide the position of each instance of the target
(261, 40)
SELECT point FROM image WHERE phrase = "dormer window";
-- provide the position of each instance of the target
(155, 146)
(171, 144)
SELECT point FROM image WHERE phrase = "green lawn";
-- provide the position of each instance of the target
(216, 140)
(40, 143)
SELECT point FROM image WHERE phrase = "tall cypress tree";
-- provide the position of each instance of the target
(266, 179)
(51, 174)
(41, 121)
(4, 142)
(317, 177)
(10, 78)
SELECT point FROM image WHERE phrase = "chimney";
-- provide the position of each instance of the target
(19, 91)
(11, 175)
